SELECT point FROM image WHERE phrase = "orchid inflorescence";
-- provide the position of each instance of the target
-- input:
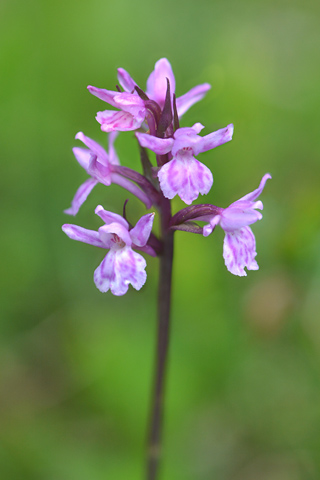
(155, 116)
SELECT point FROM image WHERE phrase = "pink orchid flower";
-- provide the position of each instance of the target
(121, 266)
(239, 247)
(99, 165)
(184, 175)
(132, 108)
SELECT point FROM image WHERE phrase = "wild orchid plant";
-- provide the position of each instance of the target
(155, 116)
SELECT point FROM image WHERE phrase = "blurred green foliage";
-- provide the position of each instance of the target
(243, 393)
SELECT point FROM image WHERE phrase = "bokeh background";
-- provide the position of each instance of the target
(243, 392)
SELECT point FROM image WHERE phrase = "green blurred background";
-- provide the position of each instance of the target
(243, 393)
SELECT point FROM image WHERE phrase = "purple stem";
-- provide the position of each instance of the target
(164, 301)
(142, 181)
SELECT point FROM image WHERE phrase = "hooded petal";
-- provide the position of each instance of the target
(120, 268)
(239, 251)
(111, 120)
(188, 131)
(141, 232)
(193, 96)
(81, 196)
(83, 235)
(161, 146)
(115, 236)
(126, 82)
(240, 214)
(157, 81)
(255, 194)
(214, 139)
(186, 177)
(110, 217)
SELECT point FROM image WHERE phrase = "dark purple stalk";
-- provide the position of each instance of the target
(164, 301)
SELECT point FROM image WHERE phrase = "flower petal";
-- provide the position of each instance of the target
(113, 157)
(125, 80)
(240, 215)
(239, 251)
(208, 229)
(119, 235)
(83, 156)
(104, 274)
(94, 147)
(111, 120)
(214, 139)
(161, 146)
(100, 172)
(83, 235)
(186, 177)
(81, 196)
(120, 268)
(103, 94)
(193, 96)
(255, 194)
(110, 217)
(129, 102)
(141, 232)
(157, 82)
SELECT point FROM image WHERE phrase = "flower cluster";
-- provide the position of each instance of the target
(155, 114)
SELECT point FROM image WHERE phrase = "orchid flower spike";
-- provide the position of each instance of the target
(99, 165)
(184, 175)
(121, 266)
(133, 109)
(239, 247)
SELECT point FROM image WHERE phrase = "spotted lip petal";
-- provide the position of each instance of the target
(239, 251)
(186, 177)
(118, 269)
